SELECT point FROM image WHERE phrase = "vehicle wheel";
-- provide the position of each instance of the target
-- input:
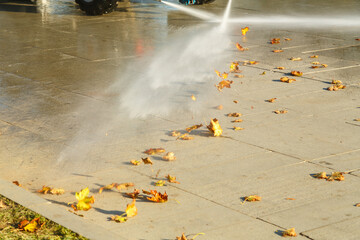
(97, 7)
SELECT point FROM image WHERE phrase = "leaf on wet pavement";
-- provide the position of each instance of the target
(170, 156)
(215, 127)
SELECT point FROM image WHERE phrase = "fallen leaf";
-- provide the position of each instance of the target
(263, 73)
(153, 151)
(357, 39)
(189, 129)
(238, 128)
(220, 107)
(278, 50)
(32, 226)
(107, 187)
(314, 56)
(234, 114)
(289, 233)
(160, 183)
(17, 183)
(336, 85)
(235, 101)
(324, 65)
(134, 194)
(193, 97)
(171, 179)
(357, 119)
(156, 196)
(296, 73)
(295, 59)
(147, 160)
(275, 41)
(117, 218)
(57, 191)
(241, 48)
(182, 237)
(287, 39)
(287, 80)
(124, 185)
(281, 68)
(244, 30)
(337, 176)
(250, 62)
(237, 120)
(252, 198)
(218, 73)
(316, 63)
(321, 175)
(224, 75)
(44, 190)
(336, 82)
(135, 162)
(215, 128)
(223, 84)
(185, 136)
(280, 111)
(131, 209)
(289, 198)
(170, 156)
(175, 133)
(238, 76)
(84, 201)
(2, 204)
(234, 67)
(357, 205)
(271, 100)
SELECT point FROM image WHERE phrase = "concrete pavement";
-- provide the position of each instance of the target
(63, 76)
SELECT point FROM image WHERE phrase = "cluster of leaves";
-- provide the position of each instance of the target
(336, 85)
(334, 176)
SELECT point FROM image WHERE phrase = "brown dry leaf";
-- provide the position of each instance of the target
(295, 58)
(135, 162)
(220, 107)
(357, 119)
(289, 198)
(107, 187)
(321, 175)
(252, 198)
(278, 50)
(17, 183)
(193, 97)
(271, 100)
(287, 39)
(238, 128)
(296, 73)
(237, 120)
(117, 218)
(171, 179)
(189, 129)
(223, 84)
(357, 205)
(185, 136)
(234, 114)
(280, 111)
(170, 156)
(44, 190)
(147, 160)
(215, 128)
(236, 101)
(32, 226)
(357, 39)
(241, 48)
(289, 233)
(336, 85)
(131, 209)
(124, 185)
(337, 176)
(281, 68)
(275, 41)
(238, 76)
(244, 30)
(160, 183)
(314, 56)
(134, 194)
(153, 151)
(156, 196)
(175, 133)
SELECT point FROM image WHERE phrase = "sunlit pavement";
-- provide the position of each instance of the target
(63, 76)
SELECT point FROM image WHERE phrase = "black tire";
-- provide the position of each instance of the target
(97, 7)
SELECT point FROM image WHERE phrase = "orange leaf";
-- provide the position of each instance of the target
(175, 133)
(287, 39)
(314, 56)
(17, 183)
(220, 107)
(289, 233)
(44, 190)
(134, 194)
(185, 136)
(124, 185)
(107, 187)
(182, 237)
(337, 176)
(280, 111)
(237, 120)
(357, 205)
(153, 151)
(252, 198)
(281, 68)
(189, 129)
(234, 114)
(32, 226)
(241, 48)
(156, 196)
(244, 30)
(275, 41)
(171, 179)
(135, 162)
(223, 84)
(215, 128)
(271, 100)
(236, 101)
(296, 73)
(147, 161)
(278, 50)
(321, 175)
(290, 198)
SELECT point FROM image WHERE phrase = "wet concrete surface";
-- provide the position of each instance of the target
(63, 78)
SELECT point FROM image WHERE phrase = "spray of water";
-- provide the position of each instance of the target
(194, 12)
(226, 16)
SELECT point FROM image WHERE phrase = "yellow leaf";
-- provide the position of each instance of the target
(295, 59)
(244, 30)
(337, 176)
(153, 151)
(107, 187)
(296, 73)
(83, 200)
(185, 136)
(170, 156)
(220, 107)
(118, 218)
(238, 128)
(278, 50)
(160, 183)
(189, 129)
(215, 128)
(289, 233)
(44, 190)
(135, 162)
(33, 225)
(57, 191)
(124, 185)
(131, 209)
(321, 175)
(175, 133)
(237, 120)
(252, 198)
(280, 111)
(193, 97)
(171, 179)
